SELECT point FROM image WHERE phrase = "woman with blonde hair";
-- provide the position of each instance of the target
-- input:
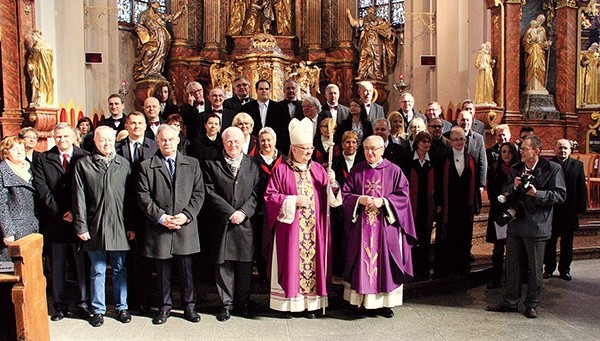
(245, 122)
(397, 127)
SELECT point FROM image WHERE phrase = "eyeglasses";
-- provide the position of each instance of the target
(372, 149)
(435, 126)
(241, 85)
(196, 91)
(305, 149)
(458, 139)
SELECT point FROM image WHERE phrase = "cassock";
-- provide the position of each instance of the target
(301, 258)
(378, 259)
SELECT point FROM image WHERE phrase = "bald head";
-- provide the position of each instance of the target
(151, 108)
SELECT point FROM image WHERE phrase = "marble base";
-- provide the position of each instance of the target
(538, 106)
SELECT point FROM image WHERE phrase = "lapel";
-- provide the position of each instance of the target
(225, 168)
(10, 179)
(53, 157)
(158, 165)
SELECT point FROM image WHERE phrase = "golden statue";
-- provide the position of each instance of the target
(253, 16)
(377, 45)
(536, 44)
(590, 62)
(237, 9)
(484, 91)
(222, 76)
(40, 70)
(154, 42)
(283, 17)
(306, 77)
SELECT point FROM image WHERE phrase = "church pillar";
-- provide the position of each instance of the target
(180, 26)
(212, 25)
(566, 56)
(511, 56)
(313, 31)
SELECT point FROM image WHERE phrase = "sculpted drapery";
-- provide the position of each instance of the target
(536, 44)
(484, 90)
(590, 62)
(249, 17)
(40, 70)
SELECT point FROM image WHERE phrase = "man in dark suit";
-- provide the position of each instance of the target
(440, 145)
(395, 153)
(291, 103)
(167, 106)
(336, 110)
(216, 97)
(190, 111)
(566, 215)
(267, 113)
(241, 89)
(53, 179)
(407, 109)
(151, 110)
(434, 110)
(136, 148)
(374, 110)
(233, 184)
(170, 191)
(478, 126)
(116, 120)
(475, 146)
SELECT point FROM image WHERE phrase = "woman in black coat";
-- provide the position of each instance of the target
(357, 121)
(497, 177)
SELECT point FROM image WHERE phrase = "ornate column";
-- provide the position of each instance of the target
(313, 30)
(566, 56)
(212, 24)
(180, 26)
(511, 56)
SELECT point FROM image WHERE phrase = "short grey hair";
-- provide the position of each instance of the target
(164, 127)
(377, 139)
(331, 86)
(232, 130)
(188, 88)
(313, 101)
(268, 130)
(103, 128)
(62, 125)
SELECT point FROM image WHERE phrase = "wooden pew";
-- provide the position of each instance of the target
(27, 287)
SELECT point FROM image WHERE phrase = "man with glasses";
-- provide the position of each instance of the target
(439, 144)
(434, 110)
(190, 111)
(527, 234)
(216, 96)
(407, 109)
(241, 90)
(378, 258)
(478, 126)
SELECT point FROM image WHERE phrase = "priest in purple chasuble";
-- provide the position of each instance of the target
(380, 231)
(296, 200)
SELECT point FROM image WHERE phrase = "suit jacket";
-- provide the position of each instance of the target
(375, 113)
(277, 118)
(478, 126)
(157, 196)
(398, 155)
(54, 192)
(149, 134)
(134, 213)
(565, 214)
(297, 112)
(226, 194)
(415, 115)
(111, 122)
(169, 109)
(549, 181)
(342, 112)
(234, 104)
(476, 148)
(192, 120)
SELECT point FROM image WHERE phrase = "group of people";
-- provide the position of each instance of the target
(302, 189)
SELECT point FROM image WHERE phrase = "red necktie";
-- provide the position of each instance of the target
(65, 162)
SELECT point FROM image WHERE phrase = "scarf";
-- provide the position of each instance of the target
(21, 170)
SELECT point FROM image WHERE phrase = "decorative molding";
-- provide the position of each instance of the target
(566, 3)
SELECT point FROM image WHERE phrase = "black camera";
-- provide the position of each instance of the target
(513, 201)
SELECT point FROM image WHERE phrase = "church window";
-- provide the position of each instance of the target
(129, 10)
(390, 10)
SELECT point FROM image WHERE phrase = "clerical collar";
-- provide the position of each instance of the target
(374, 165)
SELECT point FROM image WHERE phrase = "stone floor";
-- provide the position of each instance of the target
(568, 311)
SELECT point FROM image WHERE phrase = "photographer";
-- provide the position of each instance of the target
(528, 232)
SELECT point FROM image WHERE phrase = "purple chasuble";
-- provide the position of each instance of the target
(376, 262)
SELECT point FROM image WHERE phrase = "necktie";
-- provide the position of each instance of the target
(368, 105)
(136, 152)
(245, 100)
(333, 107)
(198, 103)
(171, 168)
(218, 111)
(467, 142)
(156, 123)
(65, 162)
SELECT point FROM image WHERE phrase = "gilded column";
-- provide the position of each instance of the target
(344, 30)
(566, 55)
(212, 24)
(313, 31)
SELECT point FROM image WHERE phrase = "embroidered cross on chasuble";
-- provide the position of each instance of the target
(373, 182)
(308, 236)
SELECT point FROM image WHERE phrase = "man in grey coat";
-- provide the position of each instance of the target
(532, 227)
(99, 192)
(232, 186)
(170, 191)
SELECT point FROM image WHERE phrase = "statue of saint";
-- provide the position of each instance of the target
(283, 17)
(237, 10)
(536, 44)
(306, 77)
(376, 43)
(590, 62)
(154, 42)
(252, 22)
(484, 91)
(40, 70)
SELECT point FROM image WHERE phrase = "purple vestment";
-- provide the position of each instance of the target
(375, 260)
(282, 184)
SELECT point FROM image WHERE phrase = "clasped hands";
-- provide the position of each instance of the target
(237, 217)
(174, 222)
(370, 202)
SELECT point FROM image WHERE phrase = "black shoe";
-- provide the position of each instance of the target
(360, 313)
(223, 315)
(245, 311)
(97, 320)
(547, 275)
(83, 313)
(530, 312)
(310, 314)
(58, 315)
(386, 312)
(191, 315)
(501, 308)
(123, 316)
(566, 276)
(161, 317)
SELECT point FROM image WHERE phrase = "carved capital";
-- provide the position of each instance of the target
(566, 3)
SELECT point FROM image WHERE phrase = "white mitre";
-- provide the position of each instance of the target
(301, 132)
